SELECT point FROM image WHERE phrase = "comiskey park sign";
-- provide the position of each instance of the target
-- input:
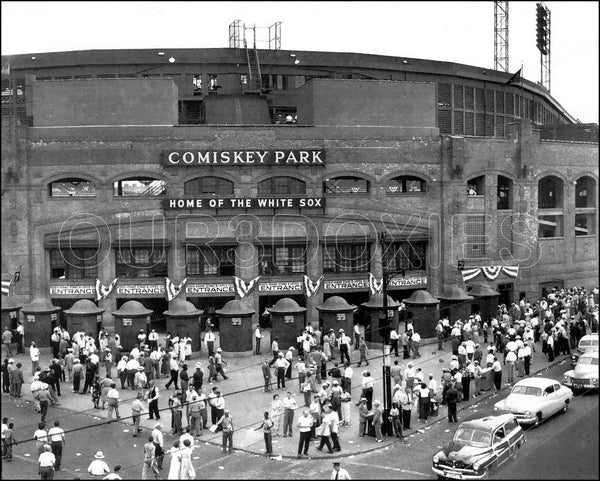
(192, 157)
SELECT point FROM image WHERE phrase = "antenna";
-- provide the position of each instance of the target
(501, 36)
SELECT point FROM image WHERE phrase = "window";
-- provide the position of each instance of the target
(71, 187)
(213, 82)
(585, 190)
(499, 435)
(405, 184)
(408, 256)
(210, 261)
(550, 193)
(208, 185)
(584, 224)
(244, 79)
(197, 84)
(476, 186)
(275, 260)
(281, 186)
(550, 226)
(139, 187)
(548, 390)
(74, 263)
(474, 229)
(346, 258)
(504, 193)
(284, 115)
(346, 185)
(141, 262)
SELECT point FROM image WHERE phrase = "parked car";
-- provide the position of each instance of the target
(585, 373)
(478, 446)
(535, 399)
(587, 343)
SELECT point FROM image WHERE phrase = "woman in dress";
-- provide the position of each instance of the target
(96, 391)
(165, 369)
(175, 466)
(327, 346)
(276, 413)
(186, 469)
(212, 368)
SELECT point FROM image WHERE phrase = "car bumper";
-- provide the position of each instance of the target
(525, 418)
(454, 473)
(575, 383)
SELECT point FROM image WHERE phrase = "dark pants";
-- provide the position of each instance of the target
(153, 410)
(498, 380)
(44, 410)
(397, 425)
(336, 442)
(227, 441)
(452, 412)
(160, 455)
(527, 364)
(267, 384)
(57, 450)
(210, 345)
(304, 442)
(344, 352)
(257, 349)
(466, 381)
(268, 442)
(275, 357)
(47, 472)
(288, 421)
(325, 441)
(406, 353)
(173, 380)
(280, 377)
(406, 415)
(87, 384)
(356, 340)
(123, 378)
(394, 346)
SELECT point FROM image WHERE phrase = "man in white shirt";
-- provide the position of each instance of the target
(394, 341)
(258, 335)
(305, 423)
(347, 378)
(344, 343)
(34, 353)
(157, 439)
(57, 440)
(46, 462)
(209, 339)
(187, 435)
(289, 405)
(132, 369)
(153, 340)
(281, 365)
(356, 336)
(112, 397)
(98, 467)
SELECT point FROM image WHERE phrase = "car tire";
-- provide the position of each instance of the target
(538, 419)
(565, 407)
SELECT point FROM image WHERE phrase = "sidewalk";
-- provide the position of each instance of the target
(245, 398)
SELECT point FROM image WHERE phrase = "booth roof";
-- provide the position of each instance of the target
(376, 301)
(235, 307)
(40, 305)
(179, 307)
(454, 293)
(421, 297)
(84, 307)
(9, 303)
(336, 304)
(132, 308)
(482, 291)
(286, 306)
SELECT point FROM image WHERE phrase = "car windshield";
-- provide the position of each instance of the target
(472, 437)
(588, 343)
(588, 361)
(527, 390)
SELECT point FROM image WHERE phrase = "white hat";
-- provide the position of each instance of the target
(99, 455)
(197, 365)
(219, 349)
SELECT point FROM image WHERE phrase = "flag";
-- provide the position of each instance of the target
(6, 287)
(310, 287)
(375, 286)
(102, 292)
(491, 272)
(241, 288)
(469, 274)
(172, 290)
(516, 78)
(512, 271)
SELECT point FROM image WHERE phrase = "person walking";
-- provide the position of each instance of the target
(43, 396)
(274, 350)
(158, 440)
(175, 464)
(267, 427)
(209, 339)
(57, 442)
(226, 422)
(136, 413)
(198, 377)
(153, 396)
(452, 401)
(305, 425)
(497, 368)
(339, 472)
(112, 399)
(220, 363)
(377, 420)
(174, 372)
(8, 440)
(149, 464)
(46, 462)
(34, 354)
(289, 406)
(363, 351)
(41, 438)
(325, 430)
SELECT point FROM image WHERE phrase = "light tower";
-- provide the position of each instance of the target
(543, 42)
(501, 36)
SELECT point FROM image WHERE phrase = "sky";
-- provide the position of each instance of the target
(461, 32)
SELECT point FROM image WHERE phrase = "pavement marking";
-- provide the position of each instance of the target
(407, 471)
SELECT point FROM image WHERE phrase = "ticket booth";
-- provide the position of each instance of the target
(379, 328)
(131, 318)
(455, 303)
(40, 317)
(287, 322)
(485, 302)
(235, 327)
(10, 312)
(184, 319)
(335, 313)
(84, 316)
(422, 311)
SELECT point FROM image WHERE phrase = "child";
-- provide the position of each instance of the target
(9, 439)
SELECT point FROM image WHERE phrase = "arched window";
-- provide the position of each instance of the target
(346, 185)
(404, 184)
(550, 193)
(281, 186)
(139, 187)
(505, 188)
(208, 185)
(476, 186)
(585, 192)
(71, 187)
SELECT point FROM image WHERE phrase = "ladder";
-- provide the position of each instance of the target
(254, 76)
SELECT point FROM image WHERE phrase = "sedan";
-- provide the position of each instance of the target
(585, 373)
(535, 399)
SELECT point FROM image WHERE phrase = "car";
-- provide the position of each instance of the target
(587, 343)
(535, 399)
(478, 446)
(585, 373)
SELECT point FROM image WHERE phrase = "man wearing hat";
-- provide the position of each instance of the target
(377, 420)
(34, 354)
(339, 472)
(158, 440)
(344, 344)
(46, 462)
(220, 363)
(363, 416)
(281, 364)
(7, 341)
(98, 467)
(226, 423)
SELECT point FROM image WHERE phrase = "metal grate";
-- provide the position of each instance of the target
(489, 125)
(458, 97)
(489, 100)
(469, 123)
(479, 100)
(500, 102)
(458, 122)
(444, 95)
(469, 98)
(499, 126)
(510, 104)
(474, 228)
(444, 121)
(479, 124)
